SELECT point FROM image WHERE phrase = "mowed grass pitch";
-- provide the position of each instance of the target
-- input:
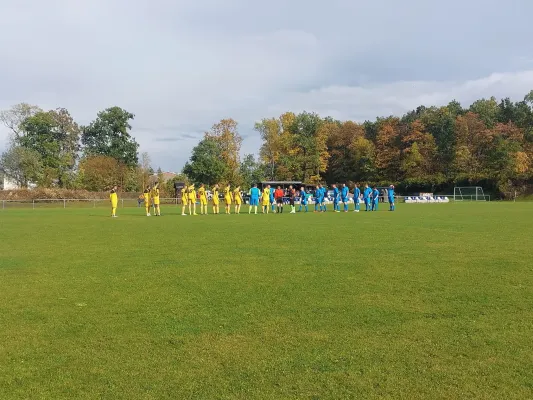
(429, 302)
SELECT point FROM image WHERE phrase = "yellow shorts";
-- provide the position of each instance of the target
(215, 201)
(114, 205)
(146, 204)
(238, 202)
(227, 200)
(183, 200)
(156, 201)
(203, 201)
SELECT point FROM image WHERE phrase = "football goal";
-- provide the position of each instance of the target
(469, 193)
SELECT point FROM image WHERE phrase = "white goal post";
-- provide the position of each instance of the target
(471, 193)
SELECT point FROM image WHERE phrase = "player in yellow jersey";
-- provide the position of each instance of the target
(265, 199)
(216, 200)
(114, 201)
(203, 199)
(155, 199)
(192, 200)
(184, 199)
(227, 198)
(146, 196)
(238, 199)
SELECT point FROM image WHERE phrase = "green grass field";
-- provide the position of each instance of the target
(430, 302)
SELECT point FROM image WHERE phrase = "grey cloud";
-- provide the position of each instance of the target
(181, 66)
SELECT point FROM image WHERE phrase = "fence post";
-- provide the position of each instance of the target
(64, 203)
(122, 200)
(3, 204)
(33, 203)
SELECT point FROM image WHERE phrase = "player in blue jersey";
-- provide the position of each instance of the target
(344, 196)
(336, 199)
(272, 200)
(255, 193)
(366, 197)
(390, 192)
(375, 199)
(303, 200)
(324, 198)
(357, 198)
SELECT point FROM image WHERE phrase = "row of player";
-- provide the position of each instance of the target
(270, 199)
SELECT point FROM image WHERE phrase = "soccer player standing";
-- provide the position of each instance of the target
(155, 199)
(335, 199)
(184, 199)
(238, 199)
(113, 197)
(255, 193)
(357, 198)
(390, 192)
(366, 197)
(375, 199)
(216, 200)
(227, 198)
(344, 196)
(303, 200)
(192, 200)
(265, 199)
(146, 196)
(203, 199)
(324, 190)
(273, 199)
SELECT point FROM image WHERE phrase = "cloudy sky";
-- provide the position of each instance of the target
(180, 66)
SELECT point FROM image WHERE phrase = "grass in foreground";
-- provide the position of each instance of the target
(432, 301)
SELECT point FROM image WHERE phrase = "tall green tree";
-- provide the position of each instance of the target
(251, 171)
(22, 165)
(55, 136)
(207, 164)
(109, 135)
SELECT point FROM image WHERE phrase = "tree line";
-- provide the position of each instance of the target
(489, 143)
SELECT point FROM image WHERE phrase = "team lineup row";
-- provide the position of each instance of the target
(269, 198)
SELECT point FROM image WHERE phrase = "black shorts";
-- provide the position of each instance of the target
(279, 201)
(291, 202)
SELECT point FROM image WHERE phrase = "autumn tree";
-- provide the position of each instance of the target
(388, 150)
(270, 131)
(418, 154)
(226, 134)
(99, 173)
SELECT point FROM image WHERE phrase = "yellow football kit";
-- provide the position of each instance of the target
(184, 197)
(237, 197)
(215, 197)
(203, 196)
(155, 196)
(227, 195)
(192, 196)
(114, 202)
(266, 197)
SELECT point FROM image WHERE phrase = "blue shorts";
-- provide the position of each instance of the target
(345, 200)
(357, 200)
(254, 201)
(391, 199)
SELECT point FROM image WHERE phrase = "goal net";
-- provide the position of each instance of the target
(468, 193)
